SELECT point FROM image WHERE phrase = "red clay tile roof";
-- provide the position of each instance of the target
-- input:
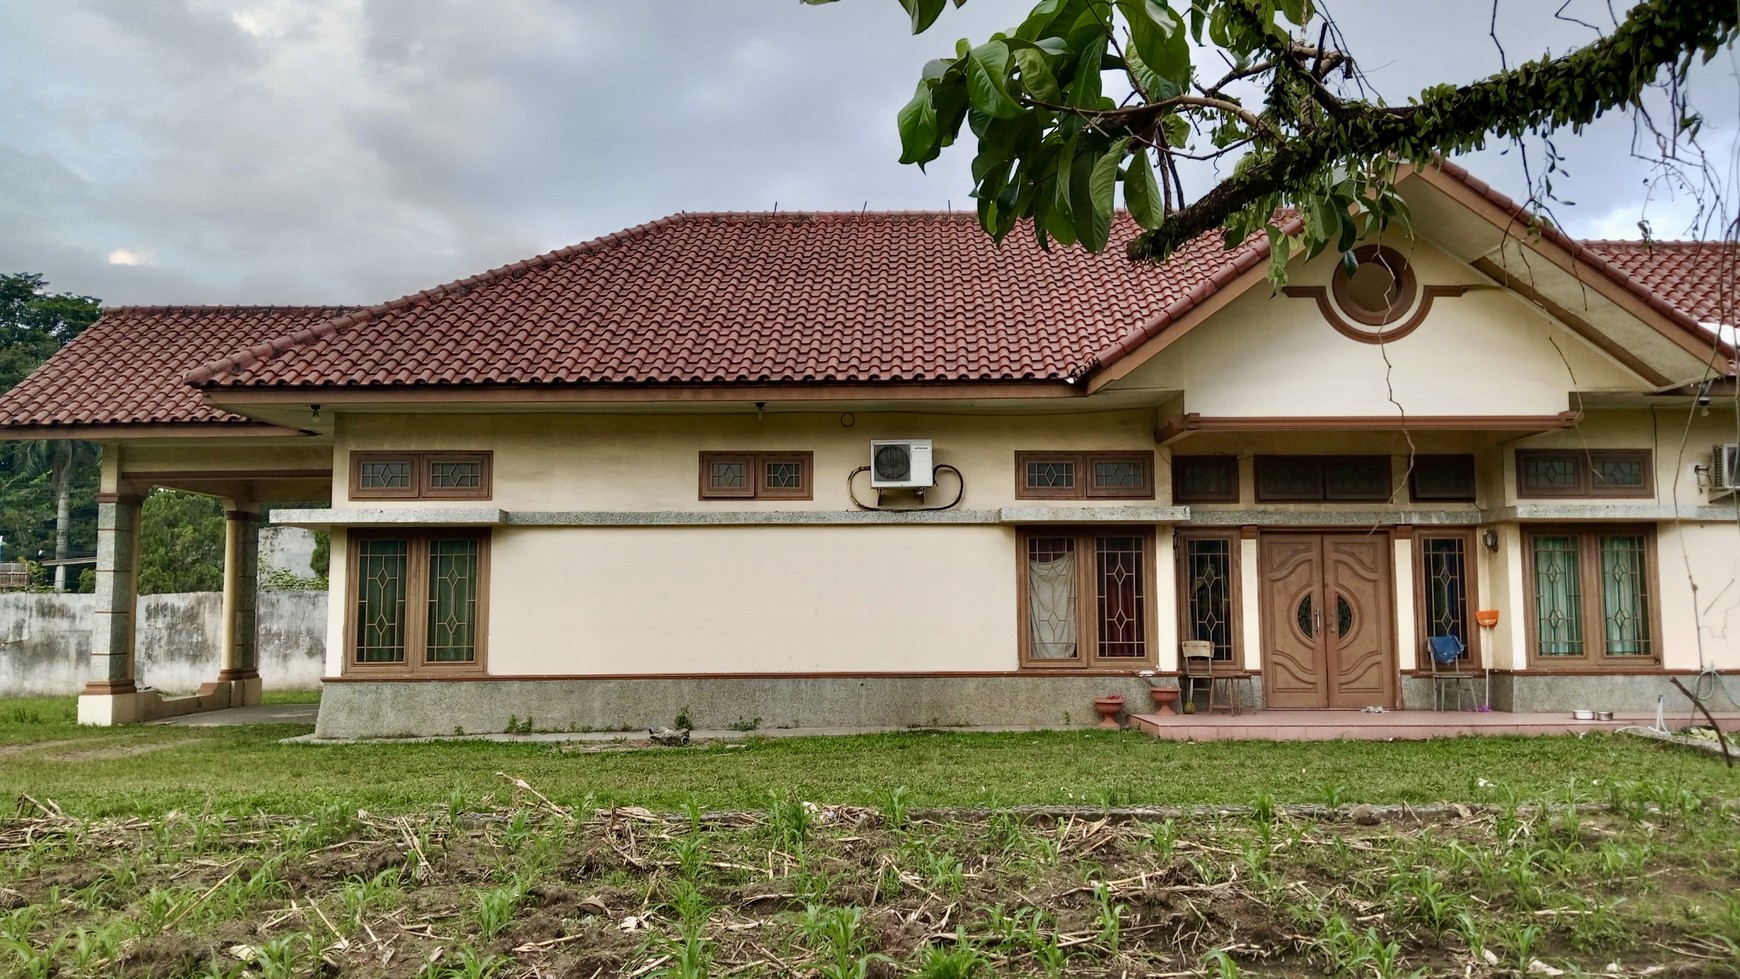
(127, 367)
(1700, 277)
(756, 298)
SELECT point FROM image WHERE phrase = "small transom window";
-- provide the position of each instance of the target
(1557, 473)
(420, 475)
(1084, 475)
(755, 476)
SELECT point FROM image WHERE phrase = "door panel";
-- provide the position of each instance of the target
(1293, 674)
(1327, 621)
(1357, 579)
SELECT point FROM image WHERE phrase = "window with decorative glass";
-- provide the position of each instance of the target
(1084, 475)
(1086, 597)
(1597, 473)
(756, 475)
(1591, 596)
(420, 475)
(1207, 584)
(1445, 587)
(416, 600)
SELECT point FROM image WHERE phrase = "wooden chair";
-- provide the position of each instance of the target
(1448, 669)
(1198, 666)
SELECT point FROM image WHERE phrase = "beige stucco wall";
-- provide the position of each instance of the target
(1483, 353)
(651, 462)
(752, 600)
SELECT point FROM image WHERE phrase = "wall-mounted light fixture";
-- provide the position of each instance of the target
(314, 412)
(1490, 539)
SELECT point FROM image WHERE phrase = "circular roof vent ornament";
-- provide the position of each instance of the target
(1381, 289)
(1379, 301)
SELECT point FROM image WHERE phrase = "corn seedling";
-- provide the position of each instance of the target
(788, 820)
(960, 961)
(1220, 965)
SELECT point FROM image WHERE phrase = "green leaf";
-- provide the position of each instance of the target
(923, 12)
(1297, 11)
(1159, 39)
(917, 121)
(1093, 180)
(1036, 75)
(1060, 204)
(1142, 192)
(1084, 88)
(987, 80)
(1279, 254)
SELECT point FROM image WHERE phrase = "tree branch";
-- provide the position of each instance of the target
(1569, 90)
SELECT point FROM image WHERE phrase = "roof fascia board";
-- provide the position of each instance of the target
(1571, 321)
(99, 432)
(1569, 257)
(1170, 331)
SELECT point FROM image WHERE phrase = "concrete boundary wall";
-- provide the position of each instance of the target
(45, 638)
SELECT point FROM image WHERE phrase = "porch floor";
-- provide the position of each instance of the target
(1396, 725)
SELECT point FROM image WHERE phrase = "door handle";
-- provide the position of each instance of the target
(1317, 620)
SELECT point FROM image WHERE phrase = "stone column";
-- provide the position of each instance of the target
(109, 695)
(240, 665)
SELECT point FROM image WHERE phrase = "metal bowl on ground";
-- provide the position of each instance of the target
(1582, 715)
(1604, 715)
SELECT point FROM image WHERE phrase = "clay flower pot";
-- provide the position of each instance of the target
(1164, 697)
(1109, 708)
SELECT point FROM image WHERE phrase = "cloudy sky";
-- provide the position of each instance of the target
(345, 151)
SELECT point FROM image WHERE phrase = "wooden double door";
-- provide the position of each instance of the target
(1328, 620)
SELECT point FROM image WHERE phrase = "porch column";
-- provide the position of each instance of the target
(239, 664)
(110, 694)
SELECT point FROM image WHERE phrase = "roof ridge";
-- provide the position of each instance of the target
(260, 353)
(228, 308)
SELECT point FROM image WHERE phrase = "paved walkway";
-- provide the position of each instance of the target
(236, 716)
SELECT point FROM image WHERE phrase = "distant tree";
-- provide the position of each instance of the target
(35, 323)
(181, 543)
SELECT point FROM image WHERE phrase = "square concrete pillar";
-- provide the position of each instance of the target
(111, 688)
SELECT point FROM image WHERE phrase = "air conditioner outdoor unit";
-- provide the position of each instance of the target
(900, 463)
(1723, 478)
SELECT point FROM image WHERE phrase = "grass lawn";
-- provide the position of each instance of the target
(174, 851)
(149, 770)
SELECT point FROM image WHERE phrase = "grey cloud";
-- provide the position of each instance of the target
(352, 153)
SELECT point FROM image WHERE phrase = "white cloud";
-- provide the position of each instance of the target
(126, 256)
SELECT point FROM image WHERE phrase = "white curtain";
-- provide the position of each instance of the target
(1051, 601)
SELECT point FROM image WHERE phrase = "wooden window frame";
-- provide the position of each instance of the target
(1235, 593)
(1084, 488)
(421, 488)
(1322, 463)
(1589, 581)
(1583, 462)
(1226, 463)
(1471, 569)
(416, 663)
(1087, 620)
(758, 488)
(1430, 496)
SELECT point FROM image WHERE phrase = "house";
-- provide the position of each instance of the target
(869, 469)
